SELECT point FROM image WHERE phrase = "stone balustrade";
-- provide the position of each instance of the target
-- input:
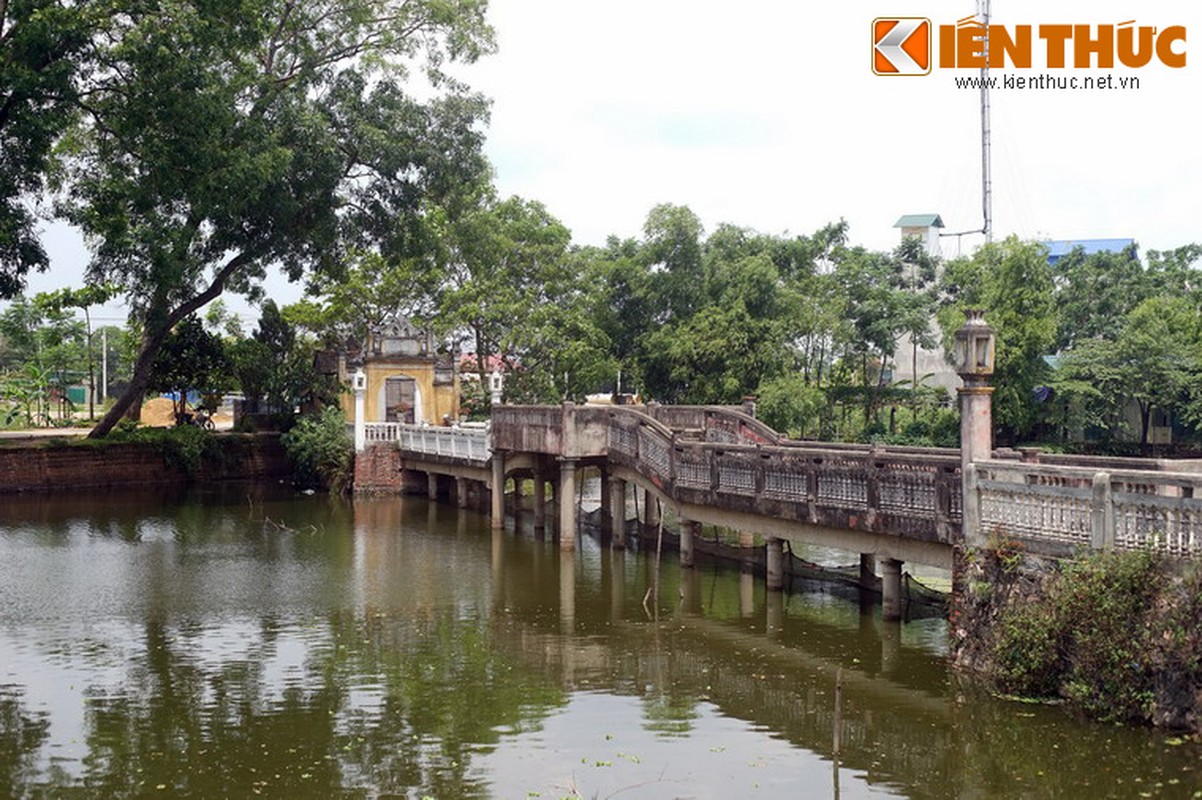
(722, 458)
(472, 445)
(1054, 507)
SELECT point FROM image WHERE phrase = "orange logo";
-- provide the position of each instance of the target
(901, 45)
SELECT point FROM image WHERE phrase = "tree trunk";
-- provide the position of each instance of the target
(153, 338)
(137, 384)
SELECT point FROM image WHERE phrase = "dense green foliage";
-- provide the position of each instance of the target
(1107, 634)
(321, 453)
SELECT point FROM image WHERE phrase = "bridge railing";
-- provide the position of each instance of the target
(1062, 507)
(470, 444)
(381, 432)
(916, 495)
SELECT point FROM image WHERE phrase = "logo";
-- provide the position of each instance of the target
(901, 45)
(906, 45)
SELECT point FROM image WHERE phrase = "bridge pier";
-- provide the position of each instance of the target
(891, 589)
(497, 494)
(688, 532)
(540, 501)
(567, 504)
(461, 492)
(617, 518)
(775, 564)
(651, 513)
(432, 485)
(867, 571)
(606, 505)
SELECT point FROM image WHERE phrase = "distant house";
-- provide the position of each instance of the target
(408, 380)
(923, 226)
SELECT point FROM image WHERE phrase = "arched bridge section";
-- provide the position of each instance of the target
(720, 466)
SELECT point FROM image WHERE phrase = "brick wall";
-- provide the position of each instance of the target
(378, 470)
(37, 467)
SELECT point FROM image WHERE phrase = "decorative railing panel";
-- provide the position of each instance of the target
(376, 432)
(1083, 508)
(655, 453)
(735, 478)
(467, 444)
(791, 486)
(843, 486)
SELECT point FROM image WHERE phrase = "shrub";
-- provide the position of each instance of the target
(321, 453)
(1087, 639)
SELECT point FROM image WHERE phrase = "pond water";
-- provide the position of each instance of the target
(251, 642)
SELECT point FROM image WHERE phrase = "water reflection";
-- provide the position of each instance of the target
(256, 644)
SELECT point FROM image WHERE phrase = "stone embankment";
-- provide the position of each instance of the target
(60, 464)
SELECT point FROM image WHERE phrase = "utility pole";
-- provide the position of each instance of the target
(104, 363)
(986, 178)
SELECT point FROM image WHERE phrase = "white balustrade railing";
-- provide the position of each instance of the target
(470, 444)
(1084, 508)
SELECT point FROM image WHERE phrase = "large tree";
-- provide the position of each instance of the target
(42, 45)
(226, 136)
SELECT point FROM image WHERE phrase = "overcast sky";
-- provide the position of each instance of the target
(767, 114)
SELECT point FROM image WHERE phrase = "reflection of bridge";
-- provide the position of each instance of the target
(602, 639)
(720, 466)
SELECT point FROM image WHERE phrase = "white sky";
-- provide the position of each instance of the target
(766, 114)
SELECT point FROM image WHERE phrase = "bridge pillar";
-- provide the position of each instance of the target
(617, 509)
(867, 571)
(431, 485)
(891, 589)
(461, 492)
(567, 504)
(775, 564)
(651, 518)
(497, 493)
(688, 532)
(606, 507)
(540, 501)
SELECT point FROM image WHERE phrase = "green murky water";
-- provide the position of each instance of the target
(251, 644)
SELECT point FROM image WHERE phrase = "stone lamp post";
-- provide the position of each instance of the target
(359, 385)
(496, 383)
(973, 355)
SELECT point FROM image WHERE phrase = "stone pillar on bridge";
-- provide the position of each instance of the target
(540, 501)
(775, 564)
(497, 490)
(567, 504)
(689, 531)
(617, 507)
(432, 485)
(974, 352)
(461, 492)
(973, 356)
(891, 589)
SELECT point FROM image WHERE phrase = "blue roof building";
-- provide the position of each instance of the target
(1059, 248)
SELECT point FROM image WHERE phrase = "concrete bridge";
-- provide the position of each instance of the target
(721, 466)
